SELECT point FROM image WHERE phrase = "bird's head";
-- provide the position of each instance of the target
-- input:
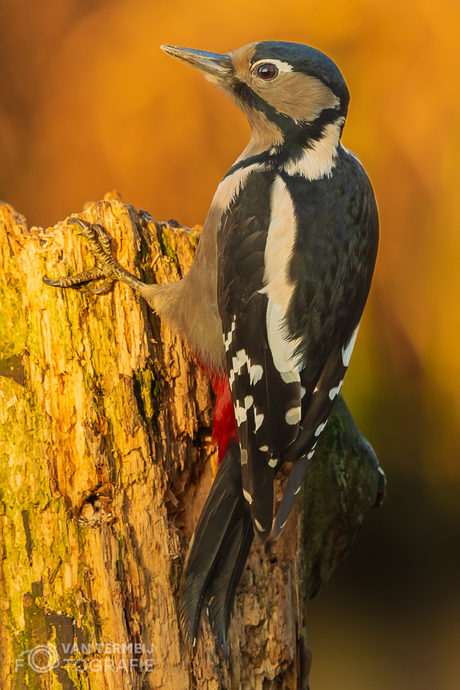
(289, 92)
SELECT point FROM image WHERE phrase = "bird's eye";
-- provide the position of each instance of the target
(267, 71)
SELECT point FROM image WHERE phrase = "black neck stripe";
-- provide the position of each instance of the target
(260, 159)
(296, 139)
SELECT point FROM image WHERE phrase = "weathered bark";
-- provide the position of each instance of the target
(105, 462)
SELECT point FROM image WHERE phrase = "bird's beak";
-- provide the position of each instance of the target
(215, 66)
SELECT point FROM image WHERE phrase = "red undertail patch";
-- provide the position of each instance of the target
(224, 427)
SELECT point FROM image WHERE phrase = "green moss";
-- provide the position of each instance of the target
(43, 627)
(148, 389)
(167, 246)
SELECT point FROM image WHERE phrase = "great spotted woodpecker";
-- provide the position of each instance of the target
(272, 304)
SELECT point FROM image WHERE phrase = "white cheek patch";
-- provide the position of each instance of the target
(348, 349)
(319, 160)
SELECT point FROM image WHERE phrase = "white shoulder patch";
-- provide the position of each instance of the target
(278, 287)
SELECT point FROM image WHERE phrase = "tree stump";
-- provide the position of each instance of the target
(105, 463)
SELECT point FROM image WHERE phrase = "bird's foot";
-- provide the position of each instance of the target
(109, 270)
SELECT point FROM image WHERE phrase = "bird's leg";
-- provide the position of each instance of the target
(109, 269)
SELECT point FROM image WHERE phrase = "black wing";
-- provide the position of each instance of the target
(336, 249)
(287, 351)
(261, 397)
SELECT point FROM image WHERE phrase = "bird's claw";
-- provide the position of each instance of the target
(98, 242)
(76, 280)
(100, 247)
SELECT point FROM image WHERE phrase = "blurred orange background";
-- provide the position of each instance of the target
(88, 103)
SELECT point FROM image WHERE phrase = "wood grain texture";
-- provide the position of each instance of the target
(105, 462)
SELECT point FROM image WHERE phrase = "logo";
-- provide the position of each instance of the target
(42, 658)
(45, 657)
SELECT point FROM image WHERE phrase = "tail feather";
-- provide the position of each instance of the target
(294, 484)
(222, 589)
(218, 552)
